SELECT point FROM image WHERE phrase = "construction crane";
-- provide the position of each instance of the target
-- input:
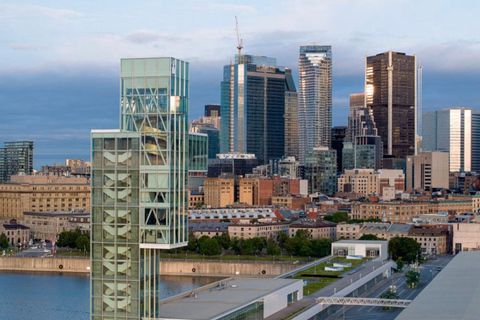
(239, 41)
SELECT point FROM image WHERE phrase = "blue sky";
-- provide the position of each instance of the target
(59, 61)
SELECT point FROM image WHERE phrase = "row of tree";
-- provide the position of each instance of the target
(301, 244)
(74, 239)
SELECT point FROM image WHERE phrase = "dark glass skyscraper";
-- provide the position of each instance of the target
(212, 110)
(390, 89)
(16, 158)
(253, 108)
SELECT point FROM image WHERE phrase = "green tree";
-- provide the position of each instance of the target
(210, 247)
(303, 234)
(281, 238)
(273, 249)
(400, 264)
(389, 294)
(201, 240)
(192, 243)
(370, 237)
(412, 277)
(199, 204)
(223, 240)
(247, 247)
(83, 243)
(291, 245)
(337, 217)
(259, 243)
(407, 248)
(235, 244)
(321, 247)
(68, 238)
(3, 241)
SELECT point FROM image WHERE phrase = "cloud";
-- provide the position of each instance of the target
(28, 10)
(227, 7)
(27, 47)
(148, 36)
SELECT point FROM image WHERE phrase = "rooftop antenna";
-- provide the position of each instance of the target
(239, 41)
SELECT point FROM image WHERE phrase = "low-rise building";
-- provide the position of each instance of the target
(43, 193)
(210, 229)
(364, 248)
(234, 214)
(48, 225)
(17, 234)
(265, 230)
(385, 230)
(348, 230)
(219, 192)
(370, 181)
(291, 201)
(433, 239)
(195, 199)
(318, 229)
(466, 237)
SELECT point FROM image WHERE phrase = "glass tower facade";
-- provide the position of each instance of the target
(314, 98)
(139, 188)
(16, 158)
(390, 93)
(456, 131)
(321, 171)
(253, 108)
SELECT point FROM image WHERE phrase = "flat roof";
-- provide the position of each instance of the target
(211, 304)
(361, 242)
(453, 294)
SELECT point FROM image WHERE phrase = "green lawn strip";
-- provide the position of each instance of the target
(72, 253)
(233, 257)
(320, 269)
(313, 287)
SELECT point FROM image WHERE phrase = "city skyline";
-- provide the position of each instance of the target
(69, 99)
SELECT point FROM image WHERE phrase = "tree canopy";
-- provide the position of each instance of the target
(407, 248)
(337, 217)
(3, 241)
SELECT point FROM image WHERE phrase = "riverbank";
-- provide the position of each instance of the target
(172, 267)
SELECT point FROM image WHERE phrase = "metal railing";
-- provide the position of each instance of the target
(377, 302)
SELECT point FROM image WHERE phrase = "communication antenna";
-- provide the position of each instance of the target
(239, 41)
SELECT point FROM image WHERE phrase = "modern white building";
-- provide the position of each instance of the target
(364, 248)
(451, 130)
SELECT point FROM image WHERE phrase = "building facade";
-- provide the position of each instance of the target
(197, 126)
(264, 230)
(49, 225)
(16, 158)
(219, 192)
(428, 170)
(314, 98)
(42, 194)
(390, 93)
(253, 108)
(318, 229)
(139, 193)
(321, 171)
(291, 116)
(370, 182)
(451, 130)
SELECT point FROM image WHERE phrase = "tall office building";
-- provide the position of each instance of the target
(16, 158)
(454, 130)
(390, 92)
(291, 116)
(338, 137)
(213, 136)
(212, 110)
(321, 170)
(475, 141)
(365, 153)
(314, 98)
(253, 108)
(139, 193)
(427, 170)
(360, 120)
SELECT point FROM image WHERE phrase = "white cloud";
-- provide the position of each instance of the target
(28, 10)
(27, 47)
(227, 7)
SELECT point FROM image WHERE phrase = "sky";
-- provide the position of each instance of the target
(59, 60)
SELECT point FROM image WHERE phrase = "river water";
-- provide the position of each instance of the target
(41, 296)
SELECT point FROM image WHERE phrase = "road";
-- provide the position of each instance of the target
(428, 271)
(36, 252)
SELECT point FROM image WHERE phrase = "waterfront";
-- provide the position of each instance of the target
(46, 296)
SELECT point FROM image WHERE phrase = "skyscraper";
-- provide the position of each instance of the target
(338, 137)
(360, 120)
(314, 98)
(321, 170)
(213, 136)
(139, 193)
(253, 108)
(291, 116)
(16, 158)
(453, 130)
(212, 110)
(390, 92)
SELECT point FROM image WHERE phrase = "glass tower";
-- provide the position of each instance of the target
(456, 131)
(16, 158)
(139, 188)
(390, 93)
(314, 98)
(253, 108)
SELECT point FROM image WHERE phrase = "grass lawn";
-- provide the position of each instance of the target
(233, 257)
(71, 253)
(315, 284)
(320, 269)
